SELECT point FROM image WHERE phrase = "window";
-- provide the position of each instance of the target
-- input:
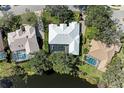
(59, 47)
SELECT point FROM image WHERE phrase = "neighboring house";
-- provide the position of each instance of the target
(2, 52)
(22, 43)
(100, 55)
(64, 38)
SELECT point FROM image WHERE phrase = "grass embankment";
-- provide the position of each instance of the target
(90, 73)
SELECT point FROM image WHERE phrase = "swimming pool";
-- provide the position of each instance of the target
(20, 56)
(91, 60)
(2, 55)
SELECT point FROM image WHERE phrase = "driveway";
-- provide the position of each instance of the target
(20, 9)
(17, 10)
(119, 14)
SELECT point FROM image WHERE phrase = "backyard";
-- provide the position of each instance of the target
(88, 72)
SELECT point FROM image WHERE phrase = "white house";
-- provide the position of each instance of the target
(64, 38)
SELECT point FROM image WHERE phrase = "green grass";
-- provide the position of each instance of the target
(76, 16)
(45, 42)
(92, 75)
(6, 69)
(90, 34)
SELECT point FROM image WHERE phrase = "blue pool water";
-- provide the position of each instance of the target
(2, 55)
(92, 61)
(20, 56)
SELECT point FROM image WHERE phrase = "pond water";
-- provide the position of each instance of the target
(54, 81)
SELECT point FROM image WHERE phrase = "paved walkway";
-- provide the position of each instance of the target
(83, 26)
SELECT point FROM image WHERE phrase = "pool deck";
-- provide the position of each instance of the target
(20, 56)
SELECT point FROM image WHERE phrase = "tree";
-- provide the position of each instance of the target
(18, 70)
(100, 17)
(40, 61)
(18, 73)
(62, 12)
(11, 22)
(29, 18)
(114, 76)
(64, 64)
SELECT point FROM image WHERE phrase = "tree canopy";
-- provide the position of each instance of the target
(114, 76)
(64, 64)
(62, 12)
(100, 17)
(29, 18)
(11, 21)
(40, 61)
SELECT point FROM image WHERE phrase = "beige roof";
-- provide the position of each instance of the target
(23, 40)
(1, 43)
(103, 53)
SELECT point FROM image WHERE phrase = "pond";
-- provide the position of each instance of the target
(54, 81)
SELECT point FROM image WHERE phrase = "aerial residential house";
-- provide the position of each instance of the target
(64, 38)
(100, 55)
(2, 52)
(23, 43)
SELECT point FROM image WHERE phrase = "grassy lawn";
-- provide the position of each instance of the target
(89, 35)
(77, 16)
(45, 42)
(6, 69)
(90, 73)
